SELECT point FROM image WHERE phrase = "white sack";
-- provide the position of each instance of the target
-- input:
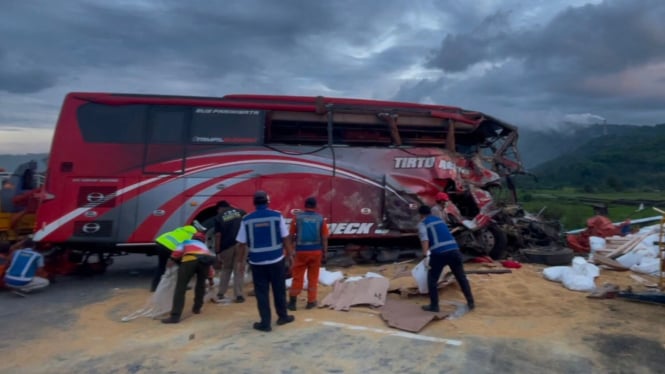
(328, 278)
(419, 273)
(161, 301)
(555, 273)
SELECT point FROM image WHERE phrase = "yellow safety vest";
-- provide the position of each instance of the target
(173, 239)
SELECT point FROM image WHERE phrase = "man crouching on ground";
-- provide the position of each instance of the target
(441, 249)
(194, 258)
(265, 234)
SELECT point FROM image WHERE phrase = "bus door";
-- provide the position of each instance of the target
(161, 198)
(358, 208)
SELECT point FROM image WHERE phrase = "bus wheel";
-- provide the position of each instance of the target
(496, 241)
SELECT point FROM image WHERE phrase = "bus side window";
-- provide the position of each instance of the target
(227, 126)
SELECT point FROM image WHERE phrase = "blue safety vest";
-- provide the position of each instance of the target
(23, 268)
(308, 234)
(440, 238)
(264, 239)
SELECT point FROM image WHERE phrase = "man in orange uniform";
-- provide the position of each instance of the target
(310, 233)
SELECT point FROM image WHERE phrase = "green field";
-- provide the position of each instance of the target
(573, 208)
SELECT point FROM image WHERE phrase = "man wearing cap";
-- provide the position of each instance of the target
(441, 248)
(194, 257)
(439, 209)
(167, 243)
(231, 255)
(265, 234)
(311, 243)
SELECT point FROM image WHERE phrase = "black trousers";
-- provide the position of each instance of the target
(186, 271)
(163, 255)
(264, 277)
(437, 261)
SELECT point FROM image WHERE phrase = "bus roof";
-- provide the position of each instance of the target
(316, 104)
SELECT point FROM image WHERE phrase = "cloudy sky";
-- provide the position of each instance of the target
(534, 63)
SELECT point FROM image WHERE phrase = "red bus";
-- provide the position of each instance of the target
(124, 168)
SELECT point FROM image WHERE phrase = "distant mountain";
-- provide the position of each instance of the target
(11, 162)
(627, 157)
(539, 146)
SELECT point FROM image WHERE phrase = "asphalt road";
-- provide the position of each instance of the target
(229, 344)
(24, 318)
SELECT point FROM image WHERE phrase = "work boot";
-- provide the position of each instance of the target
(310, 305)
(171, 319)
(292, 303)
(261, 327)
(285, 320)
(431, 308)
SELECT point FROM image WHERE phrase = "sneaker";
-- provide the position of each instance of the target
(430, 308)
(471, 306)
(171, 319)
(220, 296)
(240, 299)
(196, 310)
(285, 320)
(261, 327)
(311, 305)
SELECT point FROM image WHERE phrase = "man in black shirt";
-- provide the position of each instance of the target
(232, 256)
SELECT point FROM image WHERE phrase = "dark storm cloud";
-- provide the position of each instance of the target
(210, 38)
(518, 59)
(594, 38)
(602, 58)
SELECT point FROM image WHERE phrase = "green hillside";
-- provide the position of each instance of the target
(614, 162)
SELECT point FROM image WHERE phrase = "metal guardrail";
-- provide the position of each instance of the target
(632, 221)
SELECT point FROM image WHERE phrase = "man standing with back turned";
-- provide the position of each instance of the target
(231, 255)
(439, 245)
(264, 232)
(311, 238)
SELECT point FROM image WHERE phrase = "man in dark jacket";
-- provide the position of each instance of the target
(231, 255)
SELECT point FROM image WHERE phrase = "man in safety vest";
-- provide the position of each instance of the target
(311, 242)
(440, 249)
(167, 243)
(265, 234)
(194, 257)
(23, 273)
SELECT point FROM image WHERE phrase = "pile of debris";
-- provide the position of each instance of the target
(640, 252)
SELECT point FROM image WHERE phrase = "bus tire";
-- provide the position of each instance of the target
(500, 241)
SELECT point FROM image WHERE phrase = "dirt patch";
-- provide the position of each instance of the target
(522, 323)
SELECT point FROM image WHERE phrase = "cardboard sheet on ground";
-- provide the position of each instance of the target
(407, 286)
(368, 291)
(408, 316)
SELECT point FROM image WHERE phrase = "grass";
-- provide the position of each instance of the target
(573, 208)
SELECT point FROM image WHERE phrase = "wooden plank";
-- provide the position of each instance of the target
(643, 281)
(613, 265)
(624, 248)
(489, 271)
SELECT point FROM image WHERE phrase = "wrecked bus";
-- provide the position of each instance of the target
(124, 168)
